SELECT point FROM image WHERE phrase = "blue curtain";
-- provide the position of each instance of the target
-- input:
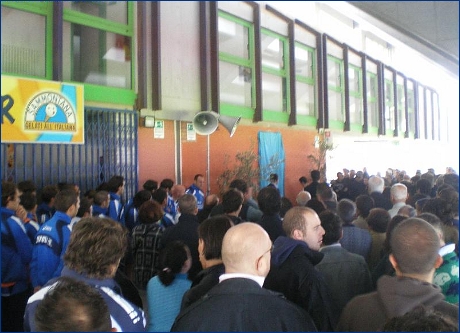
(271, 158)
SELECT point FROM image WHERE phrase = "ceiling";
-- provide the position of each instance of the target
(430, 27)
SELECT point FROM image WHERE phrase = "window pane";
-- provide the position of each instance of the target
(23, 43)
(401, 110)
(116, 11)
(429, 116)
(372, 110)
(273, 90)
(410, 105)
(389, 109)
(305, 99)
(333, 73)
(233, 38)
(272, 52)
(97, 57)
(356, 110)
(435, 117)
(335, 106)
(303, 62)
(421, 113)
(235, 84)
(354, 80)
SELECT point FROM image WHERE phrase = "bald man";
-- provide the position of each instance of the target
(293, 270)
(414, 256)
(238, 302)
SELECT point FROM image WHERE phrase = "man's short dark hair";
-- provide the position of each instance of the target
(239, 184)
(364, 203)
(28, 201)
(332, 226)
(378, 219)
(65, 199)
(324, 192)
(269, 200)
(49, 192)
(27, 186)
(150, 185)
(421, 319)
(232, 200)
(346, 209)
(212, 231)
(167, 183)
(273, 177)
(141, 197)
(197, 176)
(101, 197)
(423, 186)
(115, 183)
(315, 175)
(160, 195)
(72, 306)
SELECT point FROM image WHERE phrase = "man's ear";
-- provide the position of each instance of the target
(438, 262)
(393, 262)
(297, 234)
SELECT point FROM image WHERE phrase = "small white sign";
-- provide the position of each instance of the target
(159, 129)
(191, 134)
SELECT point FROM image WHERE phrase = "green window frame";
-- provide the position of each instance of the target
(338, 89)
(283, 74)
(389, 115)
(44, 8)
(372, 100)
(401, 110)
(249, 63)
(357, 95)
(411, 110)
(99, 93)
(310, 81)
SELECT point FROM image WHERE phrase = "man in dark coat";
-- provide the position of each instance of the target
(238, 302)
(186, 230)
(293, 267)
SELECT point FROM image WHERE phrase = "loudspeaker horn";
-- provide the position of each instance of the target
(230, 123)
(206, 122)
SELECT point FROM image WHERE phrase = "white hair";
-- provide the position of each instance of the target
(375, 184)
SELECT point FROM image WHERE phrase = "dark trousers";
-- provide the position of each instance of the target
(13, 308)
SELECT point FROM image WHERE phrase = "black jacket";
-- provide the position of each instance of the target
(241, 305)
(203, 282)
(185, 230)
(293, 273)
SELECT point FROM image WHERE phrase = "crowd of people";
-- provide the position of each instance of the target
(363, 253)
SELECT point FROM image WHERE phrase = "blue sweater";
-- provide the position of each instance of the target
(164, 302)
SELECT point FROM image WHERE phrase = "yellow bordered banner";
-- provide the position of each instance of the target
(39, 111)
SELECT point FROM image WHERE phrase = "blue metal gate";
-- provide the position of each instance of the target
(110, 149)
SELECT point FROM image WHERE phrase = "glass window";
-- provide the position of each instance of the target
(272, 52)
(274, 92)
(421, 112)
(411, 107)
(305, 80)
(335, 89)
(23, 43)
(116, 11)
(435, 116)
(356, 96)
(305, 99)
(233, 38)
(401, 111)
(304, 62)
(235, 84)
(389, 108)
(96, 56)
(372, 97)
(429, 115)
(335, 105)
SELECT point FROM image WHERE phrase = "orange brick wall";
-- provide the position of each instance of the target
(156, 156)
